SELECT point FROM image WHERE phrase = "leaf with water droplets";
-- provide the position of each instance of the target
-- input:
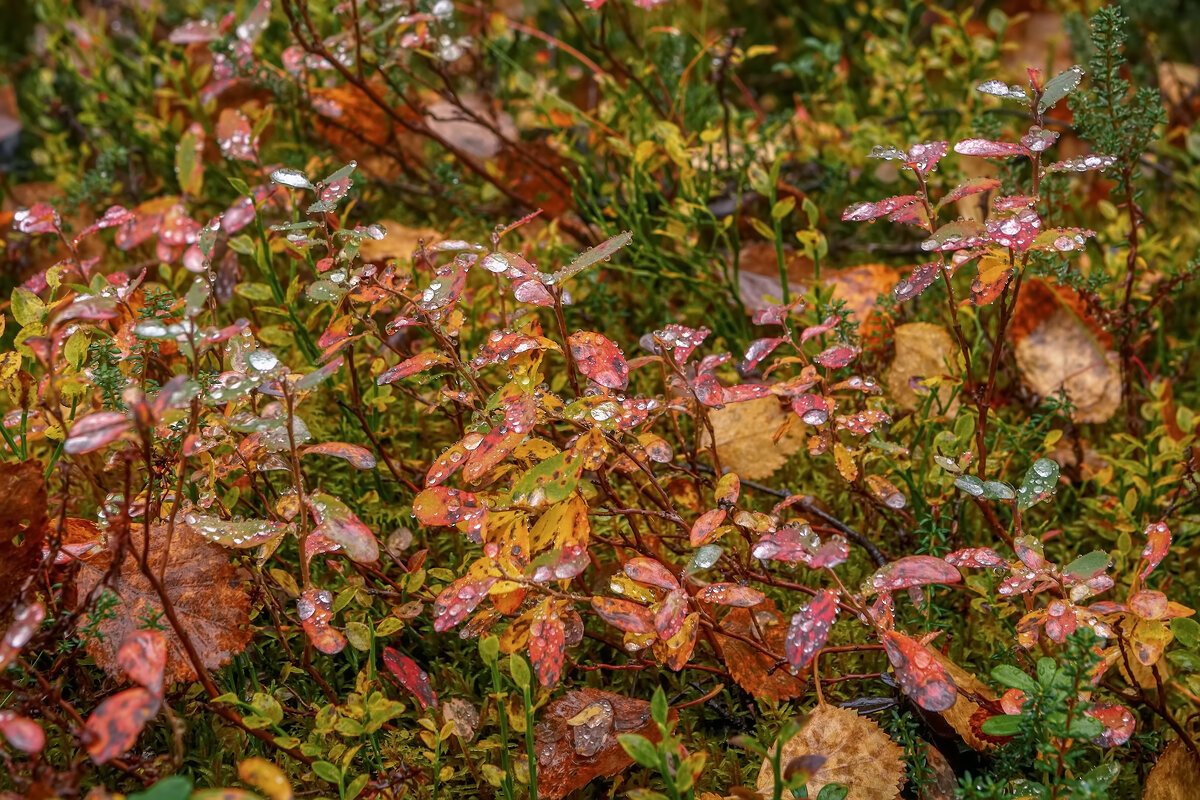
(1018, 231)
(243, 533)
(913, 571)
(986, 148)
(339, 524)
(813, 331)
(1059, 87)
(358, 456)
(651, 573)
(594, 255)
(114, 726)
(315, 609)
(973, 186)
(1158, 544)
(293, 178)
(920, 279)
(235, 136)
(624, 615)
(705, 526)
(443, 506)
(975, 558)
(837, 356)
(1000, 89)
(410, 675)
(95, 430)
(412, 366)
(958, 235)
(1062, 240)
(758, 350)
(862, 212)
(886, 492)
(547, 642)
(730, 594)
(1083, 163)
(1118, 721)
(599, 358)
(810, 628)
(1039, 483)
(920, 674)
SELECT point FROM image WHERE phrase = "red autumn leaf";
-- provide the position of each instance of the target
(864, 212)
(1158, 543)
(920, 279)
(1149, 604)
(651, 573)
(974, 186)
(730, 594)
(836, 357)
(921, 675)
(458, 600)
(1018, 231)
(1119, 723)
(811, 408)
(315, 609)
(359, 457)
(547, 642)
(143, 657)
(758, 350)
(913, 571)
(409, 367)
(339, 524)
(235, 137)
(599, 359)
(668, 619)
(755, 671)
(810, 628)
(445, 465)
(624, 615)
(705, 525)
(39, 218)
(114, 216)
(975, 558)
(681, 340)
(113, 728)
(439, 505)
(22, 733)
(503, 346)
(95, 430)
(410, 676)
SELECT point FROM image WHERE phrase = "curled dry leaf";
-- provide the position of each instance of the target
(745, 435)
(576, 739)
(971, 693)
(754, 670)
(858, 754)
(202, 586)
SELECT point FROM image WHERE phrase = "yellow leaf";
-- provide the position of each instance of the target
(266, 777)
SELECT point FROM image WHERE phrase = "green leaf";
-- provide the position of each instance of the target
(833, 791)
(998, 490)
(1039, 483)
(327, 772)
(356, 786)
(601, 252)
(970, 484)
(518, 667)
(1187, 631)
(1059, 87)
(640, 749)
(27, 307)
(1002, 725)
(658, 706)
(1010, 676)
(1088, 565)
(175, 787)
(1085, 728)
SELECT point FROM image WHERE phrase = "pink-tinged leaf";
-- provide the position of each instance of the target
(883, 610)
(704, 526)
(958, 235)
(339, 524)
(975, 186)
(836, 357)
(1149, 604)
(1118, 721)
(39, 218)
(1038, 140)
(668, 620)
(143, 657)
(986, 148)
(624, 615)
(503, 346)
(811, 408)
(114, 216)
(418, 363)
(24, 625)
(547, 642)
(1018, 231)
(913, 214)
(730, 594)
(532, 291)
(560, 565)
(924, 157)
(810, 629)
(800, 544)
(681, 340)
(975, 558)
(862, 212)
(651, 573)
(195, 32)
(439, 505)
(920, 674)
(447, 287)
(409, 675)
(315, 609)
(114, 726)
(599, 359)
(459, 599)
(445, 465)
(744, 392)
(913, 571)
(96, 430)
(758, 350)
(775, 315)
(813, 331)
(1083, 163)
(235, 136)
(358, 456)
(919, 280)
(22, 733)
(1158, 544)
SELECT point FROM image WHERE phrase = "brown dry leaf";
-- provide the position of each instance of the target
(201, 584)
(399, 243)
(1175, 776)
(458, 126)
(860, 288)
(22, 516)
(576, 739)
(858, 754)
(753, 670)
(744, 435)
(922, 350)
(944, 783)
(758, 274)
(1060, 349)
(958, 716)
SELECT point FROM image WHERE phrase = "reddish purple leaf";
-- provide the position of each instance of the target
(810, 628)
(1018, 231)
(975, 186)
(599, 358)
(624, 615)
(976, 558)
(459, 599)
(730, 594)
(758, 350)
(836, 357)
(744, 392)
(811, 408)
(114, 216)
(503, 346)
(651, 573)
(39, 218)
(547, 642)
(813, 331)
(681, 340)
(22, 733)
(913, 571)
(91, 432)
(921, 675)
(412, 366)
(410, 676)
(862, 212)
(919, 280)
(988, 149)
(708, 522)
